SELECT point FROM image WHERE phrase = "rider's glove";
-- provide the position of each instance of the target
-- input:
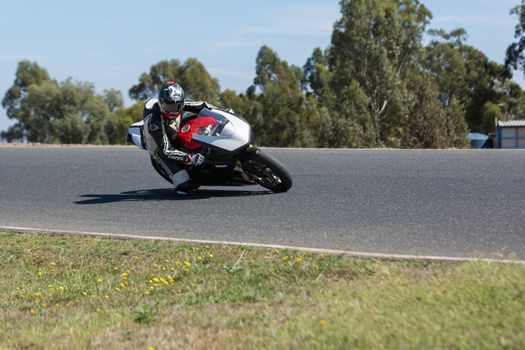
(196, 159)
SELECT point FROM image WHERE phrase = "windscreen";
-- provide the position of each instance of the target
(220, 119)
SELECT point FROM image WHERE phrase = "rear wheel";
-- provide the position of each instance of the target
(267, 172)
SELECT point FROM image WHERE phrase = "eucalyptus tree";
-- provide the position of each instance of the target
(375, 46)
(191, 75)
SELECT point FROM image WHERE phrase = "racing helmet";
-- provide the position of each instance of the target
(171, 100)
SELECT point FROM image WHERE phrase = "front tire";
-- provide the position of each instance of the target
(267, 172)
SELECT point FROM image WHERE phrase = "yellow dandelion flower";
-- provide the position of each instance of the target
(99, 280)
(199, 258)
(152, 287)
(172, 269)
(49, 286)
(266, 257)
(167, 261)
(116, 268)
(17, 288)
(53, 264)
(125, 275)
(146, 293)
(210, 255)
(61, 288)
(187, 264)
(98, 309)
(156, 279)
(123, 285)
(207, 247)
(150, 281)
(33, 312)
(151, 348)
(321, 255)
(298, 259)
(164, 268)
(286, 258)
(84, 293)
(117, 289)
(39, 273)
(322, 322)
(177, 263)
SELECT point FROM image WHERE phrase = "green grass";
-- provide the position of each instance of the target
(77, 292)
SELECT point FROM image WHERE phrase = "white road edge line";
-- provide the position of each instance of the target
(364, 255)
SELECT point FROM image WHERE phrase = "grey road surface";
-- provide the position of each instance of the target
(441, 203)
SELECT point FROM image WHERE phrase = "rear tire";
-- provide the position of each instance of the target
(267, 172)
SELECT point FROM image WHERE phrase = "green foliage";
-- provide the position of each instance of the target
(192, 76)
(117, 126)
(467, 77)
(490, 112)
(375, 47)
(48, 111)
(279, 112)
(515, 57)
(430, 124)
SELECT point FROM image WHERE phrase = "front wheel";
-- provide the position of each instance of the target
(267, 172)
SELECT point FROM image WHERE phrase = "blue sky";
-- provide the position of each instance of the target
(110, 43)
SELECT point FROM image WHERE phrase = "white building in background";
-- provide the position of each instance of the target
(510, 134)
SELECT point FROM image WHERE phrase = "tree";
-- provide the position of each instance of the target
(466, 76)
(192, 75)
(117, 126)
(317, 78)
(50, 112)
(490, 112)
(27, 74)
(430, 123)
(515, 57)
(375, 45)
(284, 119)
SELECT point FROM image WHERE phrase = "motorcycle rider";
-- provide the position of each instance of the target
(162, 118)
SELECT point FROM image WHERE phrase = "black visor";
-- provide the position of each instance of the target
(175, 107)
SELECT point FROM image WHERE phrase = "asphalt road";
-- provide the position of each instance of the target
(440, 203)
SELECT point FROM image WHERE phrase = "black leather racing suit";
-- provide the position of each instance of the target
(159, 134)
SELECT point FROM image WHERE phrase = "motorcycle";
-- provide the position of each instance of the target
(225, 139)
